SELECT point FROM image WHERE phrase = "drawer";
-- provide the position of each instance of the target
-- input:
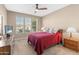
(68, 44)
(71, 47)
(72, 43)
(66, 41)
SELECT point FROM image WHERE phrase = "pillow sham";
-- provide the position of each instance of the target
(51, 30)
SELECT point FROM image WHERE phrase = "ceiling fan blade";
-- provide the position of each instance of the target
(37, 8)
(42, 8)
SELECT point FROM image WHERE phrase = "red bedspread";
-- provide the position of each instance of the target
(42, 40)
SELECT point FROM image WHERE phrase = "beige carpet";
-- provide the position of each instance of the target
(21, 47)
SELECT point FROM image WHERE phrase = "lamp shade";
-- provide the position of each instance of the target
(71, 29)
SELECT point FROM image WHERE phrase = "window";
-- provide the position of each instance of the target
(34, 25)
(25, 24)
(19, 24)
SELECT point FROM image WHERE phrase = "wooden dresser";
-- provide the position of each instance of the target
(5, 50)
(5, 47)
(72, 43)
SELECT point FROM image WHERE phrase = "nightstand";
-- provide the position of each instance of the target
(72, 43)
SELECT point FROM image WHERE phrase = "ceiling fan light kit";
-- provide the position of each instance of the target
(35, 11)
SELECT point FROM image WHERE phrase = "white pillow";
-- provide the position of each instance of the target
(45, 29)
(51, 30)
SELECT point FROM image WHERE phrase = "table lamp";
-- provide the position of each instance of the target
(71, 30)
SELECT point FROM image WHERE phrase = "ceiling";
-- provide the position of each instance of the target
(30, 8)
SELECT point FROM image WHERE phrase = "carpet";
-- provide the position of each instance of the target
(21, 47)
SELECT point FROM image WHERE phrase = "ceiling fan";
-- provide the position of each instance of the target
(37, 8)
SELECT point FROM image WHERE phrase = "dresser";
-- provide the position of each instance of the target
(5, 47)
(72, 43)
(5, 50)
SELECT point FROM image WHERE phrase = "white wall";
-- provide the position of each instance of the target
(3, 12)
(63, 18)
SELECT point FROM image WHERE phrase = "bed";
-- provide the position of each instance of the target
(42, 40)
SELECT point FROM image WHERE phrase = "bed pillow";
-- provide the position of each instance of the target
(51, 30)
(45, 29)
